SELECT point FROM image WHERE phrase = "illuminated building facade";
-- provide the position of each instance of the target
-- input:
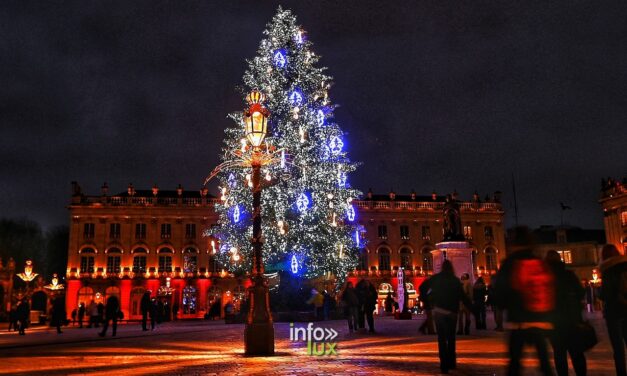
(140, 240)
(614, 203)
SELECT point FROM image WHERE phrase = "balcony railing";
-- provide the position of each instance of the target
(423, 206)
(145, 201)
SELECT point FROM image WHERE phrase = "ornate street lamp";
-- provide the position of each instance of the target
(259, 330)
(28, 274)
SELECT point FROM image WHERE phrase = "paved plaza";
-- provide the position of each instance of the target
(212, 348)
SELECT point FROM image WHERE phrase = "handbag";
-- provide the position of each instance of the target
(583, 337)
(120, 315)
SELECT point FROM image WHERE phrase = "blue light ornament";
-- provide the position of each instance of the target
(279, 59)
(296, 98)
(236, 214)
(320, 117)
(336, 145)
(294, 265)
(302, 203)
(341, 179)
(350, 213)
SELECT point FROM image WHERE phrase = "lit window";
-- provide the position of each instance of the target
(406, 259)
(190, 261)
(384, 259)
(383, 232)
(89, 230)
(87, 264)
(468, 232)
(113, 264)
(114, 231)
(623, 218)
(489, 234)
(139, 264)
(426, 233)
(491, 262)
(165, 264)
(166, 231)
(190, 231)
(404, 232)
(566, 256)
(140, 231)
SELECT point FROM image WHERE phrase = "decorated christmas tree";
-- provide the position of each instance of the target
(308, 218)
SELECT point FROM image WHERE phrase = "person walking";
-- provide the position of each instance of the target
(524, 288)
(13, 317)
(175, 311)
(351, 306)
(93, 314)
(568, 307)
(81, 314)
(74, 313)
(370, 303)
(59, 314)
(22, 315)
(327, 303)
(446, 295)
(614, 296)
(144, 306)
(463, 324)
(496, 311)
(153, 313)
(425, 292)
(479, 292)
(111, 313)
(101, 314)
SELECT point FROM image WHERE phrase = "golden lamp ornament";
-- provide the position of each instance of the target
(28, 274)
(256, 118)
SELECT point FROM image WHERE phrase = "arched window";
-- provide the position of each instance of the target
(165, 260)
(214, 265)
(491, 262)
(189, 300)
(136, 297)
(406, 258)
(427, 260)
(87, 260)
(112, 291)
(363, 260)
(384, 259)
(113, 260)
(85, 296)
(190, 260)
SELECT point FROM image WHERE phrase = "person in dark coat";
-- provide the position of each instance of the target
(58, 314)
(81, 314)
(524, 289)
(427, 326)
(360, 290)
(175, 310)
(389, 303)
(101, 314)
(22, 315)
(614, 296)
(446, 295)
(498, 312)
(153, 313)
(479, 292)
(370, 304)
(351, 306)
(13, 318)
(111, 312)
(569, 294)
(144, 306)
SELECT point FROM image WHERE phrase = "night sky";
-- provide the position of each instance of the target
(442, 95)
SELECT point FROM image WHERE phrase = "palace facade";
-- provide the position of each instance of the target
(138, 240)
(614, 203)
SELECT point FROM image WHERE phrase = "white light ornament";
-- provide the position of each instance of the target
(341, 179)
(236, 214)
(336, 145)
(299, 37)
(302, 203)
(282, 158)
(294, 265)
(320, 117)
(357, 238)
(350, 213)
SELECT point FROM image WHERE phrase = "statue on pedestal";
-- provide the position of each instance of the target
(452, 220)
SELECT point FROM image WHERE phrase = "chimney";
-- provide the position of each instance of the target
(104, 189)
(155, 190)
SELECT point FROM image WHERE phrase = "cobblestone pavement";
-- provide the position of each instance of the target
(212, 348)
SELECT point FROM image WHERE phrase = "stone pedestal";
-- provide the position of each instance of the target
(459, 253)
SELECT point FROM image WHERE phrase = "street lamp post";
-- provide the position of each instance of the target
(259, 331)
